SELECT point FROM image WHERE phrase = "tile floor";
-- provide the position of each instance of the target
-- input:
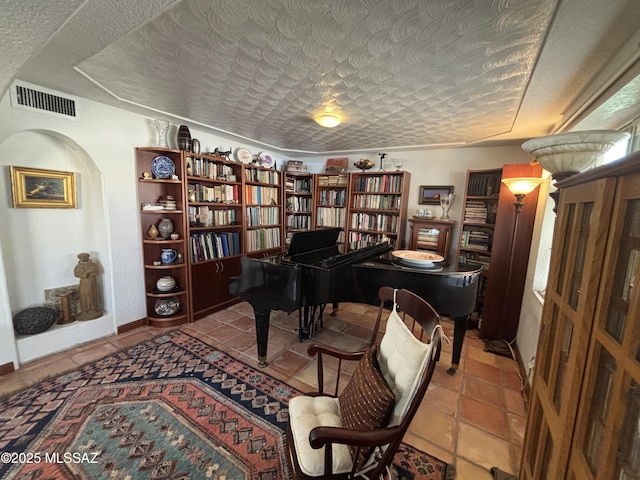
(475, 419)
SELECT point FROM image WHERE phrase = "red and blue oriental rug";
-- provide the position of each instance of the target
(170, 408)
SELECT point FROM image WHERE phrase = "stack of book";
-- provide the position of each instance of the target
(475, 239)
(475, 212)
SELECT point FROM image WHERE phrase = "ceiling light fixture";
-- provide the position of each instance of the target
(328, 120)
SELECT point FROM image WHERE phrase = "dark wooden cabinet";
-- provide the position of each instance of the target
(584, 415)
(489, 236)
(430, 234)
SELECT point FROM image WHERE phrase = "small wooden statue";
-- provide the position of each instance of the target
(90, 305)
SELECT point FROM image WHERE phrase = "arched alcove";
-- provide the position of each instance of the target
(40, 245)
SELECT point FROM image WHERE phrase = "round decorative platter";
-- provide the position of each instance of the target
(266, 160)
(417, 258)
(162, 167)
(243, 155)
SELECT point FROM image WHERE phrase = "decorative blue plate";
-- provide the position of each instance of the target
(162, 167)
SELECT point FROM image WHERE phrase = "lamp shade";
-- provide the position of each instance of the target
(572, 152)
(328, 120)
(522, 185)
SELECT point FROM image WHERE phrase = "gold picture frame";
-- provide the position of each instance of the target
(38, 188)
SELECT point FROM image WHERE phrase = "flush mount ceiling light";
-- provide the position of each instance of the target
(328, 120)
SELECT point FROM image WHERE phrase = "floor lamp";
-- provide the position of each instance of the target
(520, 187)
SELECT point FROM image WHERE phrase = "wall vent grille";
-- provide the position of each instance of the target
(47, 102)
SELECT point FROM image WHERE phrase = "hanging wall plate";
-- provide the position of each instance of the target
(162, 167)
(243, 155)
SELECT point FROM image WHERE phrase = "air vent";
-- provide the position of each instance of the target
(32, 99)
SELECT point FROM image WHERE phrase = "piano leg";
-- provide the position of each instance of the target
(459, 331)
(262, 335)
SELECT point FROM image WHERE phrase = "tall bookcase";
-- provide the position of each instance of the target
(263, 201)
(584, 418)
(377, 208)
(330, 199)
(215, 226)
(486, 236)
(153, 192)
(298, 202)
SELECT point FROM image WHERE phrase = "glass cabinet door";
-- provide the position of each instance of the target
(580, 237)
(607, 438)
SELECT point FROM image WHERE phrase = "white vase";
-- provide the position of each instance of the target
(163, 128)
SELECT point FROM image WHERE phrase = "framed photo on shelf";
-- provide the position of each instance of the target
(38, 188)
(430, 194)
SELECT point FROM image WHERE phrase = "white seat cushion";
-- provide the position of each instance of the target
(402, 360)
(306, 413)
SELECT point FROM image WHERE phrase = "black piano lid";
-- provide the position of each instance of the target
(310, 240)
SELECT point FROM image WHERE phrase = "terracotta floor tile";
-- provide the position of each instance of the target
(485, 416)
(242, 322)
(456, 417)
(517, 426)
(441, 399)
(241, 342)
(228, 316)
(442, 378)
(89, 355)
(11, 382)
(436, 427)
(205, 324)
(358, 331)
(224, 332)
(130, 338)
(480, 355)
(482, 390)
(483, 370)
(52, 369)
(510, 378)
(483, 449)
(515, 402)
(426, 446)
(289, 363)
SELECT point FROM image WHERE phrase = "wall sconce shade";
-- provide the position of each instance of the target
(568, 153)
(328, 120)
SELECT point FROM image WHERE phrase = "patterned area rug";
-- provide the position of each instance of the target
(173, 408)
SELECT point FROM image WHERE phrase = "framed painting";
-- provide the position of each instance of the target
(430, 194)
(38, 188)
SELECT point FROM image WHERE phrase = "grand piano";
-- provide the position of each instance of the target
(314, 273)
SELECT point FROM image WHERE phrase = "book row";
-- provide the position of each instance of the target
(209, 245)
(379, 183)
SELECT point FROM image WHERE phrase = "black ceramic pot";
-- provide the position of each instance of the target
(184, 138)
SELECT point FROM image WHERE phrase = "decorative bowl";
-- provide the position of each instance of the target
(572, 152)
(167, 306)
(364, 164)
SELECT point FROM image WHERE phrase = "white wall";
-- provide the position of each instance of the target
(101, 147)
(441, 167)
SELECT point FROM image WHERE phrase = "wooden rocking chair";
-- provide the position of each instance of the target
(355, 434)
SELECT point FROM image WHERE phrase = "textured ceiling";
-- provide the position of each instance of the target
(401, 74)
